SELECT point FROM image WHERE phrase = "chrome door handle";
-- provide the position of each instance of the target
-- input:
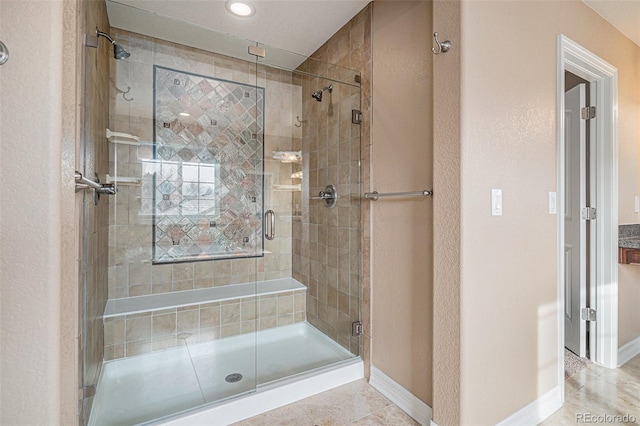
(270, 218)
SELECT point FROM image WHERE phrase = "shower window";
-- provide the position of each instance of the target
(208, 168)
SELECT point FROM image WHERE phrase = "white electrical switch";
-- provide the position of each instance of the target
(496, 202)
(636, 204)
(553, 208)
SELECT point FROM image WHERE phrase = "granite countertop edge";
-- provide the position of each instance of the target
(629, 242)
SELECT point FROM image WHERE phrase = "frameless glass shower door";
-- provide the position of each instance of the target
(234, 238)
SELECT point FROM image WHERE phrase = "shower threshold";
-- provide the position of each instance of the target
(159, 385)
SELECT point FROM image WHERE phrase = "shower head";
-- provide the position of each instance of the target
(118, 51)
(318, 95)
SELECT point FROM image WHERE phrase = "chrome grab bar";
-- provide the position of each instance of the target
(83, 183)
(373, 196)
(270, 217)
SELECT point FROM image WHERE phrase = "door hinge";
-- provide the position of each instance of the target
(587, 314)
(588, 213)
(356, 116)
(587, 113)
(356, 328)
(87, 391)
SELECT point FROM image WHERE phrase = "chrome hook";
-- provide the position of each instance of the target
(443, 47)
(124, 93)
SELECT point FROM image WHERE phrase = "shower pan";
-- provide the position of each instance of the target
(225, 275)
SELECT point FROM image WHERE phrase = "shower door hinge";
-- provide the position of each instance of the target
(588, 213)
(356, 116)
(356, 328)
(87, 391)
(587, 314)
(587, 113)
(257, 51)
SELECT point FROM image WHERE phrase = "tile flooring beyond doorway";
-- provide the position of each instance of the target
(355, 404)
(598, 391)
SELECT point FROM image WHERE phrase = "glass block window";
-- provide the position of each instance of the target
(206, 176)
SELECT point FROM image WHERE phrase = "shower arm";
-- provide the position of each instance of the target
(105, 35)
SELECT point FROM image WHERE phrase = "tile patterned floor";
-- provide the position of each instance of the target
(600, 391)
(354, 404)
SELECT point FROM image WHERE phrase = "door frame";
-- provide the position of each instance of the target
(576, 59)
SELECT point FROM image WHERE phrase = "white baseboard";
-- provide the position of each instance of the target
(628, 351)
(404, 399)
(537, 411)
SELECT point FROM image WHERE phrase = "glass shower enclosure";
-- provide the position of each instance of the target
(232, 250)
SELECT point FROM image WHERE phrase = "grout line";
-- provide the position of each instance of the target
(371, 413)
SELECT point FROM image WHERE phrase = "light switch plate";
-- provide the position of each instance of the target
(553, 205)
(636, 204)
(496, 202)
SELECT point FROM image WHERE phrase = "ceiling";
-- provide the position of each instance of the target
(622, 14)
(300, 26)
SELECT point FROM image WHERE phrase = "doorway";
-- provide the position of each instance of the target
(580, 199)
(598, 237)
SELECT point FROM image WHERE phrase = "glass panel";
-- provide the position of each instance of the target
(186, 231)
(207, 168)
(243, 278)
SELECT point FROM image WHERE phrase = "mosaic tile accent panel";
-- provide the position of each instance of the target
(207, 169)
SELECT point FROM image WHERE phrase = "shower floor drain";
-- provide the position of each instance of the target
(233, 377)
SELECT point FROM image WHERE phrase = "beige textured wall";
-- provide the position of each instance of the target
(446, 217)
(402, 159)
(509, 286)
(32, 341)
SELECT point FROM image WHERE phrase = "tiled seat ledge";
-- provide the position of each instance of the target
(178, 299)
(143, 324)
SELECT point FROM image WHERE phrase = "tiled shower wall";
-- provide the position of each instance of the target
(93, 157)
(130, 335)
(130, 233)
(327, 242)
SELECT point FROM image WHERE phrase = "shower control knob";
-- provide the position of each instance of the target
(329, 195)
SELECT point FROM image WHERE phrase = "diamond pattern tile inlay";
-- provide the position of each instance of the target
(209, 163)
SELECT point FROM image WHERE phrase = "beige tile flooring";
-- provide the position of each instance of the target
(355, 404)
(593, 391)
(600, 391)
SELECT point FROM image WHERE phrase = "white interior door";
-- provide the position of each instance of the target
(575, 251)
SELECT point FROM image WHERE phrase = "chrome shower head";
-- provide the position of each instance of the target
(118, 51)
(318, 95)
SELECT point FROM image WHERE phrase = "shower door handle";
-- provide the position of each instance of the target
(270, 219)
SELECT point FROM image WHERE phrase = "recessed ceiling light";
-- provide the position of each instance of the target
(185, 114)
(240, 8)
